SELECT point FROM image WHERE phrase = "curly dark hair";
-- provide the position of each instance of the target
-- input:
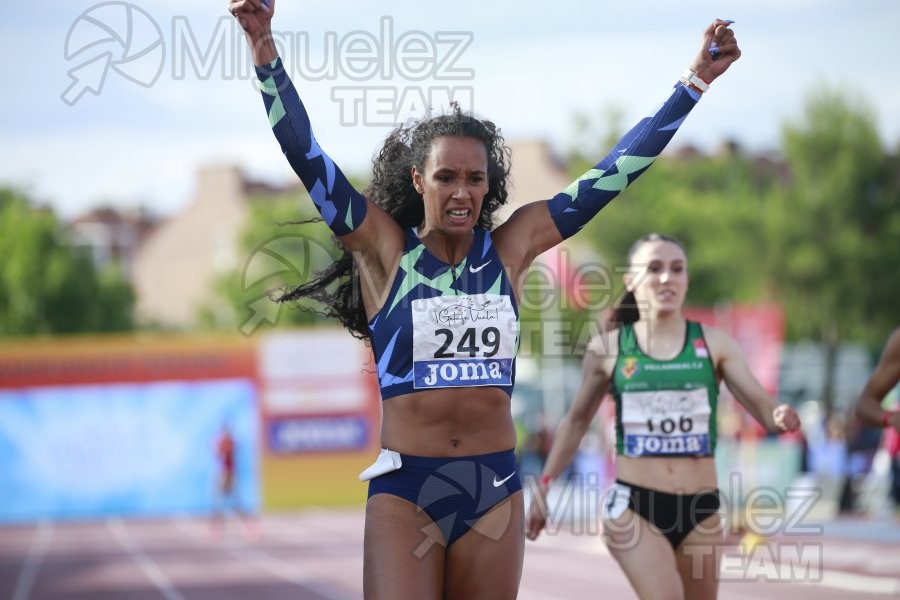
(392, 189)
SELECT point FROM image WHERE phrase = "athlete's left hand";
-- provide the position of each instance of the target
(254, 16)
(710, 65)
(536, 519)
(785, 418)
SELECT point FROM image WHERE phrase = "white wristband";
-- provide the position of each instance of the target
(691, 78)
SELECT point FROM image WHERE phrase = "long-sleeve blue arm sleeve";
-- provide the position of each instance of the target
(341, 206)
(573, 208)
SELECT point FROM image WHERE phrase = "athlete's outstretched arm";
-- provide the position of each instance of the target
(544, 224)
(343, 208)
(595, 380)
(732, 367)
(882, 381)
(572, 208)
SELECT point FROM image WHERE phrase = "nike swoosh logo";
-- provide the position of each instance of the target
(502, 481)
(476, 269)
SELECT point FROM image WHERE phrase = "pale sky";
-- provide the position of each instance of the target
(179, 97)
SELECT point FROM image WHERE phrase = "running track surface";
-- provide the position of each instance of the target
(317, 555)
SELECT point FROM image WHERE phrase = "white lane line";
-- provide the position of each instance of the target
(150, 568)
(290, 572)
(36, 551)
(794, 567)
(852, 582)
(742, 568)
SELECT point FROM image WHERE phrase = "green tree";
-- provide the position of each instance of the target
(280, 248)
(48, 286)
(716, 206)
(840, 226)
(819, 237)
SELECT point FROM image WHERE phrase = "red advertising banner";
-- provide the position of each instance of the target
(61, 361)
(759, 331)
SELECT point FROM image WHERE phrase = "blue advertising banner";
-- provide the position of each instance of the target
(318, 434)
(143, 449)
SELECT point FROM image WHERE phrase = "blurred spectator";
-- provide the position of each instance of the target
(536, 446)
(862, 444)
(227, 496)
(828, 458)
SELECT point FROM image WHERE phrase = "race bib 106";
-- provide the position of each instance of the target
(462, 341)
(666, 422)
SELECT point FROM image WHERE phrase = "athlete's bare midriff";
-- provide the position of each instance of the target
(679, 474)
(449, 422)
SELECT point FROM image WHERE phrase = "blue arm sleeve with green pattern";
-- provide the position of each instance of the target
(341, 206)
(573, 208)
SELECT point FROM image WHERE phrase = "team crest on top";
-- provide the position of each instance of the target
(630, 367)
(700, 350)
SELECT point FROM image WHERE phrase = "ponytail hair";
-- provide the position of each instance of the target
(623, 313)
(626, 311)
